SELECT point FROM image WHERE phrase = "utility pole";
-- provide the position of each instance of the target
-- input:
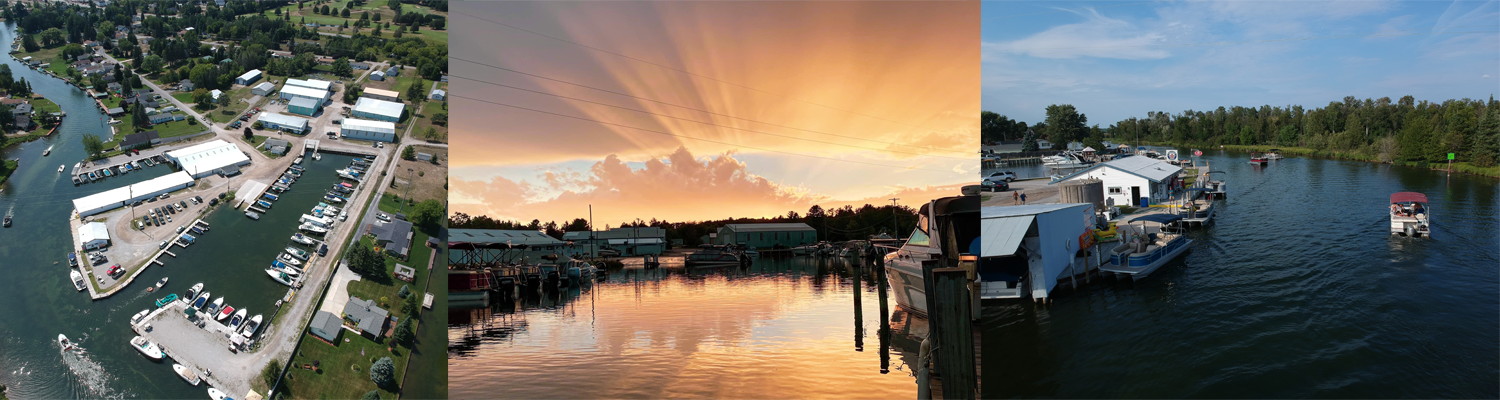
(894, 221)
(408, 192)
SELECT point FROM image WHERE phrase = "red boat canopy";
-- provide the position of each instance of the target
(1408, 197)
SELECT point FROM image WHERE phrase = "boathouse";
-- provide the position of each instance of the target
(364, 129)
(768, 235)
(379, 110)
(629, 241)
(510, 245)
(204, 159)
(1129, 180)
(93, 235)
(1031, 247)
(119, 197)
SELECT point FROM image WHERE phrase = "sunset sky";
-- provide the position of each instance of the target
(761, 108)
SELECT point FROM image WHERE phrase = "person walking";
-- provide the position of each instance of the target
(1015, 198)
(1023, 199)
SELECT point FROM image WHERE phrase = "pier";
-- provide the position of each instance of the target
(248, 192)
(94, 280)
(201, 344)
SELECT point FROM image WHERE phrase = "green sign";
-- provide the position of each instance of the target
(1450, 156)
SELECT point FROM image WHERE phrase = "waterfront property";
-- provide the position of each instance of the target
(326, 326)
(119, 197)
(93, 235)
(379, 110)
(767, 235)
(140, 140)
(519, 245)
(627, 241)
(394, 236)
(208, 158)
(1129, 180)
(1028, 248)
(363, 317)
(364, 129)
(381, 94)
(274, 121)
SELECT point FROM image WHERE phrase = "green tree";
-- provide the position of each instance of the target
(152, 64)
(138, 115)
(365, 261)
(373, 394)
(352, 92)
(270, 373)
(414, 91)
(403, 334)
(383, 373)
(1486, 139)
(1065, 124)
(427, 214)
(53, 36)
(344, 14)
(93, 145)
(28, 42)
(1029, 143)
(341, 67)
(440, 119)
(249, 135)
(409, 153)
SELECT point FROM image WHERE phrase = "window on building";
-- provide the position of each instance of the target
(1115, 191)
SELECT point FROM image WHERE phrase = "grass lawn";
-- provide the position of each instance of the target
(165, 130)
(45, 54)
(428, 178)
(60, 68)
(8, 167)
(44, 106)
(424, 121)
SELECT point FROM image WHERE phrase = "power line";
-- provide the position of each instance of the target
(686, 107)
(1348, 36)
(705, 122)
(695, 138)
(690, 73)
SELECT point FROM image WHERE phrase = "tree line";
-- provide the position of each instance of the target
(844, 223)
(1404, 130)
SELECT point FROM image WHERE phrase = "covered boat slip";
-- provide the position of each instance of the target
(1030, 247)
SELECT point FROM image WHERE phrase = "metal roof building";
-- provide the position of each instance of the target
(248, 77)
(283, 122)
(290, 92)
(363, 129)
(310, 83)
(93, 235)
(379, 110)
(381, 94)
(767, 235)
(207, 158)
(1129, 179)
(119, 197)
(1034, 243)
(521, 244)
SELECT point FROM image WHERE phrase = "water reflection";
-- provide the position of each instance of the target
(774, 329)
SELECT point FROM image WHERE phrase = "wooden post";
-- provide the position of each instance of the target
(950, 325)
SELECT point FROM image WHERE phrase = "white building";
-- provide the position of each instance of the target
(381, 94)
(289, 92)
(283, 122)
(263, 89)
(310, 84)
(364, 129)
(208, 158)
(216, 93)
(439, 94)
(119, 197)
(377, 76)
(1128, 179)
(248, 77)
(379, 110)
(1031, 246)
(93, 235)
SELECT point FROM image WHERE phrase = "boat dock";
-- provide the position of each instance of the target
(156, 259)
(249, 192)
(199, 343)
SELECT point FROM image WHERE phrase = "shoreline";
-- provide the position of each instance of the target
(1342, 156)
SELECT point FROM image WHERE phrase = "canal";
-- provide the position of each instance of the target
(798, 328)
(39, 301)
(1296, 292)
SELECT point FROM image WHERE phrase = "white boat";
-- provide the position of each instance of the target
(279, 276)
(63, 340)
(712, 256)
(162, 282)
(194, 291)
(150, 350)
(313, 228)
(1065, 159)
(186, 374)
(1409, 215)
(297, 253)
(216, 305)
(59, 168)
(201, 301)
(215, 394)
(287, 258)
(251, 326)
(77, 279)
(928, 243)
(237, 319)
(1274, 154)
(139, 316)
(290, 272)
(1147, 243)
(302, 239)
(224, 312)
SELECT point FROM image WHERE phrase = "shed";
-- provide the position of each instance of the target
(1031, 245)
(326, 326)
(377, 76)
(439, 94)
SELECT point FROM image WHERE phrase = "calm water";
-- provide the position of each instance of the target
(1296, 292)
(39, 301)
(795, 328)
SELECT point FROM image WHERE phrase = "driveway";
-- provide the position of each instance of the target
(338, 293)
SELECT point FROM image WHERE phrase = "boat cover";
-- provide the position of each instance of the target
(1408, 197)
(1002, 236)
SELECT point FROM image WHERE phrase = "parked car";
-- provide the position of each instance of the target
(1006, 176)
(382, 217)
(323, 250)
(995, 186)
(183, 203)
(163, 245)
(115, 270)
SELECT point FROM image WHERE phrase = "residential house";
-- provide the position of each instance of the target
(359, 66)
(394, 70)
(439, 94)
(114, 87)
(185, 85)
(394, 236)
(140, 139)
(216, 93)
(24, 123)
(326, 326)
(21, 109)
(377, 76)
(365, 317)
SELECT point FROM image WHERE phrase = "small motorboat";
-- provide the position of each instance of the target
(263, 203)
(150, 350)
(186, 374)
(63, 340)
(279, 276)
(1257, 158)
(237, 319)
(297, 253)
(1410, 215)
(287, 258)
(290, 272)
(7, 221)
(48, 152)
(162, 302)
(59, 168)
(250, 326)
(216, 305)
(313, 228)
(162, 282)
(201, 301)
(77, 280)
(301, 239)
(225, 313)
(1274, 154)
(252, 215)
(139, 316)
(215, 394)
(269, 196)
(194, 291)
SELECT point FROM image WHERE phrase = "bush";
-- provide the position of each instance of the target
(269, 374)
(371, 395)
(404, 291)
(383, 373)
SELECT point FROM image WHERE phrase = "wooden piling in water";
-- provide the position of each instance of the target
(948, 317)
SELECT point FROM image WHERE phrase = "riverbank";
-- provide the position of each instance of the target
(1458, 167)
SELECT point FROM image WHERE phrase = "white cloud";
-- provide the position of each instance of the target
(1099, 36)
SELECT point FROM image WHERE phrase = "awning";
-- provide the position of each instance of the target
(1408, 197)
(1002, 236)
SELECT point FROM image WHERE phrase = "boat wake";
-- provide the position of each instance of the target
(93, 380)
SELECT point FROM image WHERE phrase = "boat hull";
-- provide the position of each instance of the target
(907, 283)
(1138, 267)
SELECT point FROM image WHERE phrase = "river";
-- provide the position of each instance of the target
(39, 301)
(1296, 292)
(798, 328)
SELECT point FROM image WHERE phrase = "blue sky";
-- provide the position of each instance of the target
(1118, 59)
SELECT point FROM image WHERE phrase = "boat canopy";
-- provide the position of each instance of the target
(1002, 236)
(1408, 197)
(1158, 218)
